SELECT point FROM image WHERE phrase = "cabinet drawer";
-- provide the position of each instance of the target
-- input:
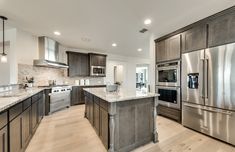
(35, 98)
(104, 104)
(3, 119)
(15, 111)
(26, 103)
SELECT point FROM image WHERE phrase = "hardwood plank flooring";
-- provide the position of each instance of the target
(69, 131)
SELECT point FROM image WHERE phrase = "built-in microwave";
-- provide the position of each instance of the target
(97, 71)
(169, 96)
(168, 74)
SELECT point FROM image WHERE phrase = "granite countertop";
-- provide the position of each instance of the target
(10, 98)
(121, 95)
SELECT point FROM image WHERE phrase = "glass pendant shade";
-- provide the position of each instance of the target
(4, 58)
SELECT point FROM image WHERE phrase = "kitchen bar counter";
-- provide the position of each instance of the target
(123, 120)
(11, 98)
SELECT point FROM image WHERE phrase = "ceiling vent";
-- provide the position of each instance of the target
(143, 30)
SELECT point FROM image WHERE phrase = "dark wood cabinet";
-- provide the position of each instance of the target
(194, 38)
(26, 127)
(77, 95)
(221, 29)
(97, 59)
(168, 49)
(97, 115)
(40, 109)
(16, 142)
(4, 139)
(78, 64)
(104, 130)
(35, 113)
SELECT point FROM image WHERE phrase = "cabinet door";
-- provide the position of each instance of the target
(74, 96)
(16, 143)
(4, 139)
(97, 59)
(40, 109)
(73, 62)
(221, 30)
(194, 38)
(84, 65)
(26, 129)
(104, 127)
(96, 118)
(78, 64)
(161, 54)
(34, 121)
(91, 116)
(173, 47)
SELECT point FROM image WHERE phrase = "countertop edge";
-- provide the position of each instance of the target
(20, 100)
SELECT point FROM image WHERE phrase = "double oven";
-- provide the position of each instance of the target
(168, 84)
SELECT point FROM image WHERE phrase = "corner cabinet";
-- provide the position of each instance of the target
(194, 38)
(78, 64)
(168, 49)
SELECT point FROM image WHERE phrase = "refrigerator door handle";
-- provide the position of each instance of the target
(218, 111)
(209, 109)
(206, 77)
(201, 79)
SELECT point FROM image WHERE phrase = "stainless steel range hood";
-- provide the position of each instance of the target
(49, 54)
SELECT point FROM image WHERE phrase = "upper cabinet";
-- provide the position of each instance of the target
(168, 49)
(81, 63)
(221, 29)
(194, 38)
(97, 59)
(78, 64)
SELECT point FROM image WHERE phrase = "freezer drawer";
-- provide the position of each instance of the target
(211, 121)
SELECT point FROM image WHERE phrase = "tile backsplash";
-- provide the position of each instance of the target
(43, 74)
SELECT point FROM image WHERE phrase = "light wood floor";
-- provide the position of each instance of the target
(69, 131)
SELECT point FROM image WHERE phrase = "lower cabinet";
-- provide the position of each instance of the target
(40, 110)
(35, 113)
(4, 139)
(97, 118)
(104, 124)
(97, 114)
(26, 127)
(16, 142)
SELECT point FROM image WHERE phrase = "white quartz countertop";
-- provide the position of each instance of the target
(10, 98)
(121, 95)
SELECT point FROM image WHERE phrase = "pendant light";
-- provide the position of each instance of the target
(3, 55)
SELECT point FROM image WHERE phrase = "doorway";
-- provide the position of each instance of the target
(142, 78)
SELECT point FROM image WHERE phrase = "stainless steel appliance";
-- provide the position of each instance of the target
(169, 96)
(168, 74)
(60, 97)
(97, 71)
(49, 55)
(208, 91)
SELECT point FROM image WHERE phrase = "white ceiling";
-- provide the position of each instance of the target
(107, 21)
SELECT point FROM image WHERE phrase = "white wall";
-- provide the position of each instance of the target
(26, 47)
(8, 70)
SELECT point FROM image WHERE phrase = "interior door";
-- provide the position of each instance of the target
(192, 77)
(220, 67)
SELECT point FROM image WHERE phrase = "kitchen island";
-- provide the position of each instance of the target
(123, 120)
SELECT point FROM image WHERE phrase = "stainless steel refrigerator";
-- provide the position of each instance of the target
(208, 91)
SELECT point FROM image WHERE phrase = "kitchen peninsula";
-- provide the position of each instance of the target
(123, 120)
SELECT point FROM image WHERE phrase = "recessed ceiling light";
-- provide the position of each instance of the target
(147, 22)
(57, 33)
(114, 44)
(139, 49)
